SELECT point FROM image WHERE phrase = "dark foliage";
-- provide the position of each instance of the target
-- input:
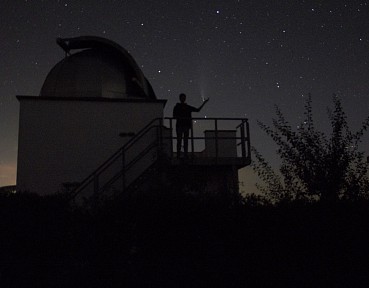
(315, 166)
(169, 239)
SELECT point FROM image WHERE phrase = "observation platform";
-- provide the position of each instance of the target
(217, 148)
(211, 142)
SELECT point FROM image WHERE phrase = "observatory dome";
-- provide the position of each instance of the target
(99, 68)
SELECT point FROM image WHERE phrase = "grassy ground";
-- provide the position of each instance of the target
(169, 240)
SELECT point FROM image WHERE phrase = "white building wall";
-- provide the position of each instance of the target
(64, 140)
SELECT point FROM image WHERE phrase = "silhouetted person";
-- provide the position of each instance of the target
(182, 113)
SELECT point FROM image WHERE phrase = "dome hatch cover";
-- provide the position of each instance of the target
(101, 68)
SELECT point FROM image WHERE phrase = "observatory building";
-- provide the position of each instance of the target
(98, 126)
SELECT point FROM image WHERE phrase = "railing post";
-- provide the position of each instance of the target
(216, 140)
(243, 147)
(248, 139)
(171, 137)
(192, 144)
(160, 136)
(123, 171)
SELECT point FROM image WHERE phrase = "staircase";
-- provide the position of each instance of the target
(148, 157)
(126, 167)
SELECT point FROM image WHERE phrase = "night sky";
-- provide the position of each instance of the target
(245, 55)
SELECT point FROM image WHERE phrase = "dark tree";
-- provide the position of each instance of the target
(314, 166)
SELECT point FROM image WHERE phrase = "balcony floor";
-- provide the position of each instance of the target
(199, 160)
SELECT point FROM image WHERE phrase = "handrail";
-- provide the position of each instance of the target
(135, 160)
(157, 123)
(242, 129)
(213, 118)
(112, 158)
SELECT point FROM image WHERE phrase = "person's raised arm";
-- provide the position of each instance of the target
(203, 104)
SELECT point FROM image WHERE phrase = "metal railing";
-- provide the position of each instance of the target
(143, 147)
(218, 126)
(157, 138)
